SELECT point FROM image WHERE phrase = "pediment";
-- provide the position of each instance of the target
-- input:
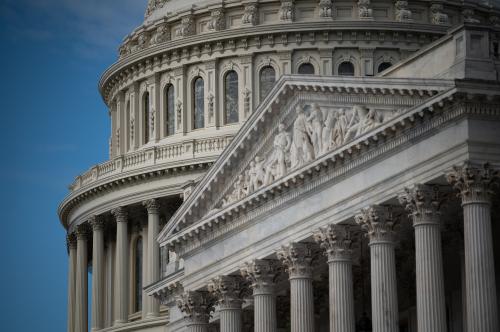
(303, 119)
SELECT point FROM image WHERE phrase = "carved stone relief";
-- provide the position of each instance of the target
(365, 10)
(437, 14)
(403, 13)
(287, 10)
(325, 8)
(250, 15)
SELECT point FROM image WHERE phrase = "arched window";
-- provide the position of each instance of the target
(346, 68)
(170, 110)
(138, 275)
(306, 69)
(198, 103)
(231, 96)
(267, 78)
(146, 117)
(383, 66)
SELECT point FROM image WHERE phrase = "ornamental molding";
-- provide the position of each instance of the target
(184, 237)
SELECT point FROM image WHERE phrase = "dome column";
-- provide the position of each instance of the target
(97, 224)
(71, 243)
(81, 304)
(121, 281)
(378, 223)
(152, 261)
(297, 258)
(262, 274)
(475, 184)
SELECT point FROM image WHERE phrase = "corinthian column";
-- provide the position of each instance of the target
(297, 258)
(335, 240)
(378, 223)
(262, 275)
(474, 184)
(422, 202)
(196, 307)
(227, 291)
(121, 286)
(152, 305)
(81, 304)
(71, 243)
(97, 273)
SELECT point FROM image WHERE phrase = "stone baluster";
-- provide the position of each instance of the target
(97, 224)
(71, 243)
(336, 242)
(422, 202)
(377, 221)
(152, 260)
(196, 307)
(81, 304)
(227, 291)
(262, 274)
(474, 184)
(298, 258)
(121, 282)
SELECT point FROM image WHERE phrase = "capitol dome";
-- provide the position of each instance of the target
(248, 136)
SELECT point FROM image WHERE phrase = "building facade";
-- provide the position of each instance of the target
(295, 165)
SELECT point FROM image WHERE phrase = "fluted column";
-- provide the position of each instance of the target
(297, 258)
(474, 183)
(81, 304)
(121, 270)
(336, 242)
(422, 202)
(377, 221)
(196, 307)
(227, 291)
(152, 305)
(262, 274)
(97, 224)
(71, 243)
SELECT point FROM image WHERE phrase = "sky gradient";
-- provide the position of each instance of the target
(53, 127)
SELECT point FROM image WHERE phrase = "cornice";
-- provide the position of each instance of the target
(194, 47)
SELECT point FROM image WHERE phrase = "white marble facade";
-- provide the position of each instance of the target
(302, 165)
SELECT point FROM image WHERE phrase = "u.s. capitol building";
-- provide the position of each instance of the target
(295, 165)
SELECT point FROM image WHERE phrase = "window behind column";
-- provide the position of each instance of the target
(170, 109)
(231, 97)
(198, 103)
(145, 103)
(138, 274)
(267, 78)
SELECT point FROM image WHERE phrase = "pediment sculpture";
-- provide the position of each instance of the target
(313, 133)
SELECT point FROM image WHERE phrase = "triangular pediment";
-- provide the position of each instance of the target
(303, 119)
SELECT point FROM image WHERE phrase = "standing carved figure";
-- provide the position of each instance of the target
(369, 122)
(302, 149)
(315, 128)
(278, 158)
(340, 128)
(327, 134)
(256, 174)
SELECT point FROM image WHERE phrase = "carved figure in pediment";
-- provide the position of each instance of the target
(276, 166)
(315, 128)
(327, 134)
(340, 128)
(302, 150)
(256, 174)
(239, 188)
(369, 122)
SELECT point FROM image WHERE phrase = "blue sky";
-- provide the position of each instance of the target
(53, 126)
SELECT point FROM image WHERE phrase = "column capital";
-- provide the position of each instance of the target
(97, 223)
(422, 203)
(228, 291)
(82, 231)
(152, 205)
(378, 222)
(262, 274)
(120, 213)
(196, 306)
(474, 182)
(71, 241)
(298, 259)
(335, 239)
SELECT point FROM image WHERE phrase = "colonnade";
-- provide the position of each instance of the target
(78, 269)
(422, 203)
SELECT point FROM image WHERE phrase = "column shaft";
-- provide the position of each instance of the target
(385, 314)
(81, 314)
(109, 283)
(302, 304)
(121, 290)
(71, 284)
(230, 319)
(153, 257)
(480, 269)
(431, 307)
(341, 296)
(145, 304)
(197, 328)
(265, 312)
(98, 277)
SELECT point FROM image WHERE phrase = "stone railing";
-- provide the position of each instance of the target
(181, 151)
